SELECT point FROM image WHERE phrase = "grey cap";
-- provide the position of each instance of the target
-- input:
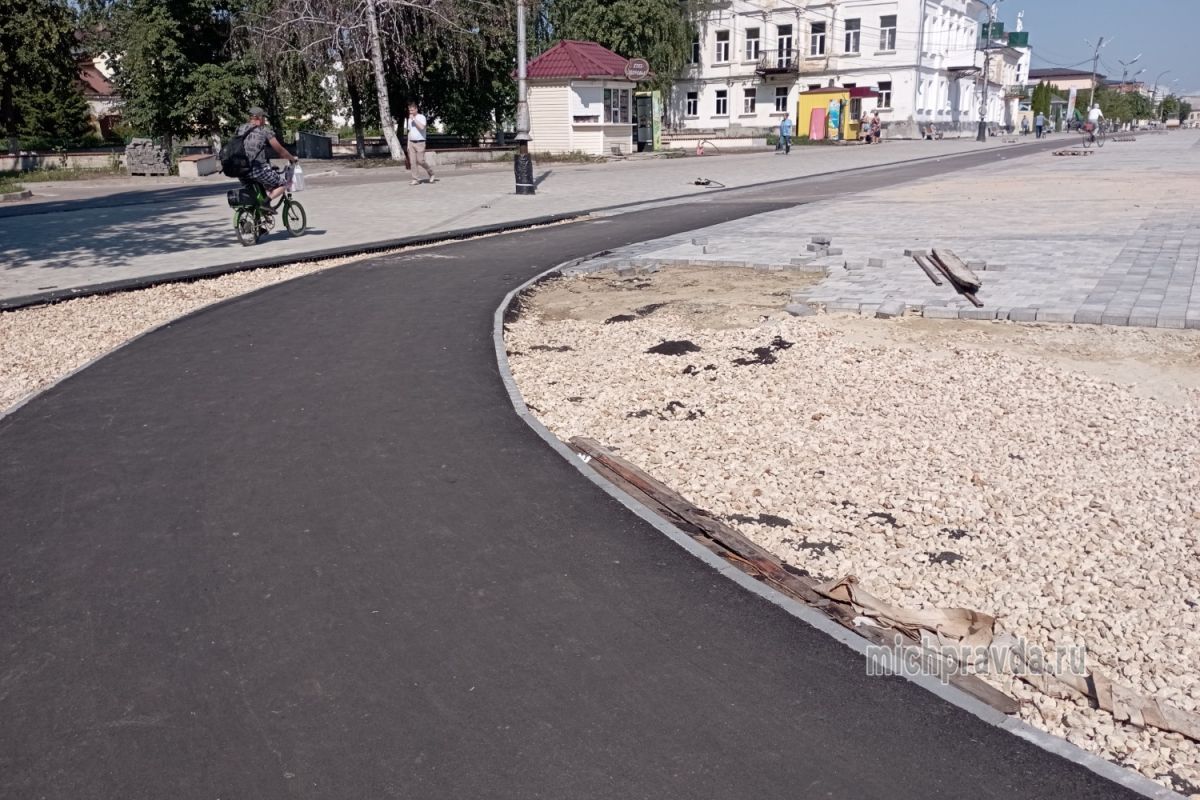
(255, 111)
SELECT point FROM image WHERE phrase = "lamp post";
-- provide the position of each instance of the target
(987, 70)
(1095, 63)
(523, 162)
(1125, 65)
(1154, 95)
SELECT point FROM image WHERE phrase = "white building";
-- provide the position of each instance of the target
(752, 57)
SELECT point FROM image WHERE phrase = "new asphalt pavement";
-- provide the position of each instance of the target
(298, 545)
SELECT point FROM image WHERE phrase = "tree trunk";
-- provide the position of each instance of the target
(385, 108)
(356, 114)
(499, 111)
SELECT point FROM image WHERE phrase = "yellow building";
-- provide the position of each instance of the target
(818, 108)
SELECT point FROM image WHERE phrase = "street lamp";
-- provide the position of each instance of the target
(1095, 62)
(1154, 93)
(987, 70)
(523, 162)
(1125, 65)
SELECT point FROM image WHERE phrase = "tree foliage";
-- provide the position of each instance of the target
(39, 94)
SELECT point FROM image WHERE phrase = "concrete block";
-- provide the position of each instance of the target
(1140, 319)
(909, 253)
(1023, 314)
(995, 268)
(977, 313)
(815, 248)
(626, 272)
(843, 307)
(868, 309)
(939, 312)
(699, 241)
(821, 239)
(890, 309)
(1192, 322)
(711, 248)
(874, 262)
(1177, 321)
(833, 251)
(1115, 318)
(800, 262)
(1089, 316)
(799, 310)
(978, 266)
(1056, 315)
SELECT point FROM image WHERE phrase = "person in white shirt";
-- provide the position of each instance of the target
(1095, 117)
(415, 129)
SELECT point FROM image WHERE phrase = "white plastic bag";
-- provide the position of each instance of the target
(297, 178)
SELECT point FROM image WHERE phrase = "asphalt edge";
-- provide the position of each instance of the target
(132, 284)
(1129, 779)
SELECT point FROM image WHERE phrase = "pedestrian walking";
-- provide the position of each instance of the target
(1024, 126)
(1039, 124)
(415, 133)
(876, 129)
(785, 134)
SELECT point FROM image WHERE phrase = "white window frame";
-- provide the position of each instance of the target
(783, 46)
(753, 44)
(816, 39)
(885, 94)
(750, 101)
(853, 36)
(887, 34)
(617, 107)
(721, 104)
(722, 49)
(781, 94)
(691, 104)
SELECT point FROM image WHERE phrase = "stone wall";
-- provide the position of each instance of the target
(144, 157)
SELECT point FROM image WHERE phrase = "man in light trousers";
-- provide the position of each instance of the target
(416, 145)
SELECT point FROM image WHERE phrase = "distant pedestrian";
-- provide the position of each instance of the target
(1039, 124)
(864, 127)
(876, 129)
(1024, 126)
(415, 128)
(785, 134)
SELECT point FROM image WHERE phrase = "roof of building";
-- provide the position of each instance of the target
(1059, 72)
(93, 81)
(574, 59)
(855, 91)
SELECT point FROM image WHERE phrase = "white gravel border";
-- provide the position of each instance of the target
(1131, 780)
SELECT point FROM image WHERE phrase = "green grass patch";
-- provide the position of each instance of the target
(8, 185)
(43, 174)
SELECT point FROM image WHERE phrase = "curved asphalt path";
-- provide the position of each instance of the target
(298, 545)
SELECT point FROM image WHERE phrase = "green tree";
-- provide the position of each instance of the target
(1169, 109)
(39, 95)
(1185, 111)
(659, 31)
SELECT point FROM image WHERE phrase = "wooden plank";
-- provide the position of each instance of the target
(961, 275)
(754, 560)
(930, 270)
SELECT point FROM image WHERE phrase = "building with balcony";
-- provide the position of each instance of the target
(921, 59)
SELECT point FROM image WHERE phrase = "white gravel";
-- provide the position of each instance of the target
(1073, 500)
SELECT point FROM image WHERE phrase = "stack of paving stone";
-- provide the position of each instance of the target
(144, 157)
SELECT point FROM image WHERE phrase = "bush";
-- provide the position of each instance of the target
(8, 184)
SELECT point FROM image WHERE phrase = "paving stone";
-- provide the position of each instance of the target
(1089, 316)
(1115, 318)
(821, 239)
(699, 240)
(799, 310)
(939, 312)
(1171, 321)
(1143, 320)
(843, 307)
(711, 248)
(833, 251)
(875, 262)
(1023, 314)
(977, 313)
(890, 309)
(1056, 315)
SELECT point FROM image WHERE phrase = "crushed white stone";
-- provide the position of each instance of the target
(1066, 505)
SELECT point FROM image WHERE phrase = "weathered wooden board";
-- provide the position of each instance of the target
(960, 274)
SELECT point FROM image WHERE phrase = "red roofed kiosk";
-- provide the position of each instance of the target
(580, 100)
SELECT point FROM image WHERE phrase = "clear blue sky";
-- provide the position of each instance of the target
(1163, 31)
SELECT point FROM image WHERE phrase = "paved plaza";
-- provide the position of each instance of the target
(94, 234)
(1112, 238)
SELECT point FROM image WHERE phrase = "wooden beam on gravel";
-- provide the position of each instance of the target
(762, 564)
(930, 271)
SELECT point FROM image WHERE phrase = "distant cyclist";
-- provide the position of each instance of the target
(1095, 117)
(258, 137)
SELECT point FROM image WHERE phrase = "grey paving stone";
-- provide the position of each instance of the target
(1089, 316)
(1170, 321)
(1142, 320)
(977, 313)
(711, 248)
(939, 312)
(1023, 314)
(821, 238)
(799, 310)
(1115, 317)
(842, 307)
(890, 309)
(1056, 315)
(875, 262)
(699, 240)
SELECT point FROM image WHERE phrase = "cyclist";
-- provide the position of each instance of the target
(1095, 117)
(259, 137)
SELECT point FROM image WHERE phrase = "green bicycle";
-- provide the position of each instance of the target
(254, 213)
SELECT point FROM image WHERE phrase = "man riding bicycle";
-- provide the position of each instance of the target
(258, 137)
(1095, 117)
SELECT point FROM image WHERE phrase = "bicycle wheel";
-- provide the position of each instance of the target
(294, 218)
(1087, 141)
(246, 226)
(1100, 139)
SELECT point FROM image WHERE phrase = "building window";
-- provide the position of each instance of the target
(887, 32)
(783, 56)
(749, 101)
(855, 108)
(695, 48)
(812, 87)
(692, 105)
(753, 44)
(816, 41)
(722, 103)
(616, 106)
(722, 47)
(781, 99)
(885, 94)
(853, 35)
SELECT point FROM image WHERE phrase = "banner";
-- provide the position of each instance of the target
(1071, 103)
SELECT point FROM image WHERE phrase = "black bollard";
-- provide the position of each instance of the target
(523, 170)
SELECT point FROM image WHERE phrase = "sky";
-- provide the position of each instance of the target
(1164, 32)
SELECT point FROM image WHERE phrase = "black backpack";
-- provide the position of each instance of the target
(234, 161)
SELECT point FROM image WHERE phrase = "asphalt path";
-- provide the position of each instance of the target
(298, 545)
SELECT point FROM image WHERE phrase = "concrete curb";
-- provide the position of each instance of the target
(1052, 744)
(141, 282)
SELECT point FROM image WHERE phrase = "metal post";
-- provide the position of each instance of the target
(987, 71)
(523, 162)
(1154, 96)
(1095, 63)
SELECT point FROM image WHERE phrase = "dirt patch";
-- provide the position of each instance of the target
(711, 297)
